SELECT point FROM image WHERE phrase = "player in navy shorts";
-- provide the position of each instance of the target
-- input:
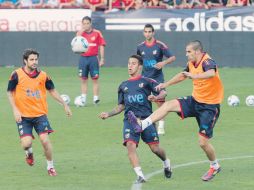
(152, 52)
(89, 61)
(136, 95)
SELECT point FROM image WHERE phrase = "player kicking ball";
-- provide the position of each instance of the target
(203, 104)
(135, 95)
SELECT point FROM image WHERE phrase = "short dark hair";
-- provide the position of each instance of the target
(196, 45)
(28, 52)
(149, 26)
(87, 18)
(139, 58)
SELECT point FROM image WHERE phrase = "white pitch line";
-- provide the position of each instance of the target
(150, 175)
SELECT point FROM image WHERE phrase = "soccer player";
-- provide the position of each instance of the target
(152, 51)
(88, 62)
(135, 95)
(203, 104)
(27, 91)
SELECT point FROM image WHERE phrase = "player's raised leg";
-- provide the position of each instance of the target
(161, 112)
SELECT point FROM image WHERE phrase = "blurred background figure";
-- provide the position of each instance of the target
(51, 4)
(8, 4)
(95, 4)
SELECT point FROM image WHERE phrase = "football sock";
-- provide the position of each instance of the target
(95, 98)
(83, 96)
(29, 151)
(166, 163)
(138, 171)
(50, 164)
(161, 123)
(145, 123)
(214, 164)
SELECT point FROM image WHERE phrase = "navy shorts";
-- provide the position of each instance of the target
(40, 124)
(149, 135)
(89, 65)
(205, 114)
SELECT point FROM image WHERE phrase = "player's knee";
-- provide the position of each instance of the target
(26, 142)
(155, 149)
(203, 144)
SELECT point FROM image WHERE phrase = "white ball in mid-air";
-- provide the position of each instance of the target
(249, 100)
(233, 100)
(79, 101)
(66, 98)
(79, 44)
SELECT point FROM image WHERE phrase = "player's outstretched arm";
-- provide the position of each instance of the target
(208, 74)
(160, 96)
(58, 98)
(176, 79)
(118, 109)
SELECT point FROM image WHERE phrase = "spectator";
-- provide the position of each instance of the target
(9, 3)
(157, 4)
(214, 3)
(95, 4)
(128, 4)
(66, 3)
(139, 4)
(113, 6)
(181, 4)
(51, 4)
(237, 3)
(25, 4)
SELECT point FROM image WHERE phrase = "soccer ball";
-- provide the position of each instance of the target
(79, 44)
(79, 102)
(233, 100)
(250, 100)
(66, 98)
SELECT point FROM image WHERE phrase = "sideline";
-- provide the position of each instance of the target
(150, 175)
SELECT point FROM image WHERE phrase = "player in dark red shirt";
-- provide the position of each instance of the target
(89, 61)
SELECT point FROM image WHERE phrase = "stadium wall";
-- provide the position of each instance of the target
(229, 49)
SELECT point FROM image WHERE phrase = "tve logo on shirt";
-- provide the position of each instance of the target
(31, 93)
(137, 98)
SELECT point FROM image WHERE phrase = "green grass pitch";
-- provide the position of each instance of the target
(88, 152)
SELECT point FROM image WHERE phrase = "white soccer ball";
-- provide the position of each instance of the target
(233, 100)
(79, 101)
(66, 98)
(79, 44)
(249, 100)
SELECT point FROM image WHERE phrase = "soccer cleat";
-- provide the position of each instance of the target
(160, 130)
(52, 172)
(134, 122)
(140, 180)
(168, 172)
(210, 174)
(96, 102)
(30, 159)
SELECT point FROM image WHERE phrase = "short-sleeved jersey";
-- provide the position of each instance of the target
(95, 39)
(133, 94)
(95, 2)
(30, 92)
(127, 2)
(151, 55)
(210, 90)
